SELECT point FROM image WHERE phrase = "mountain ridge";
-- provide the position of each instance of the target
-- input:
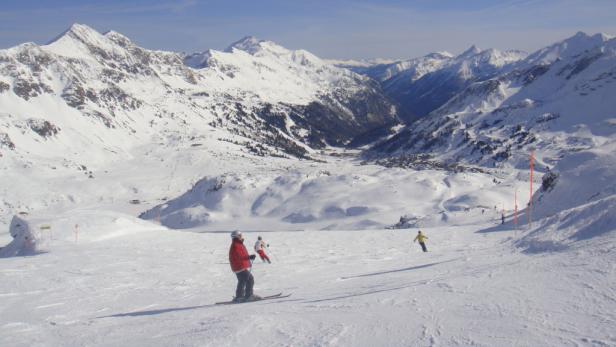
(108, 79)
(556, 109)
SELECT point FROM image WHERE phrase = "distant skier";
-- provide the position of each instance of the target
(422, 240)
(260, 249)
(503, 218)
(240, 264)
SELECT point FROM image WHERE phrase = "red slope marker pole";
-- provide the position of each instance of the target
(530, 200)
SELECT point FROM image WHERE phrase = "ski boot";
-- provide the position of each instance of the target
(252, 298)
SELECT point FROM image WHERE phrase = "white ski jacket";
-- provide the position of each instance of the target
(259, 245)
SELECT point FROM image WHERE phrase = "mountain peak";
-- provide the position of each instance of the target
(596, 38)
(248, 44)
(581, 40)
(603, 37)
(441, 54)
(570, 47)
(78, 31)
(81, 41)
(81, 28)
(581, 34)
(471, 51)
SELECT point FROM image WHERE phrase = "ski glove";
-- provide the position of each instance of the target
(252, 257)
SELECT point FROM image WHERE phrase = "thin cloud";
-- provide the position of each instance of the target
(173, 6)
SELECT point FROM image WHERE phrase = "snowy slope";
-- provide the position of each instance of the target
(558, 103)
(557, 109)
(116, 94)
(117, 279)
(420, 96)
(333, 196)
(576, 204)
(569, 48)
(359, 288)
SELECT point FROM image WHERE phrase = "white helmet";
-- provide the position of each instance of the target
(236, 234)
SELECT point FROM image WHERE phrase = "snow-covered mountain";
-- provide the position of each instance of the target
(558, 100)
(87, 92)
(362, 65)
(423, 84)
(412, 69)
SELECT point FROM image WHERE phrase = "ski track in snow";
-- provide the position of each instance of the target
(360, 288)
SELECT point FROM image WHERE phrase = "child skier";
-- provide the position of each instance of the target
(240, 264)
(260, 249)
(421, 238)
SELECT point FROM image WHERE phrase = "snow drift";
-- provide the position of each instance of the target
(35, 234)
(335, 197)
(579, 205)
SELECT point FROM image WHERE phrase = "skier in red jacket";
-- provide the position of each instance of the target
(240, 264)
(260, 246)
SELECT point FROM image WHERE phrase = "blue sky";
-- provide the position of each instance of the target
(330, 29)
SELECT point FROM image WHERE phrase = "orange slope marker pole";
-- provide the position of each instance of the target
(530, 199)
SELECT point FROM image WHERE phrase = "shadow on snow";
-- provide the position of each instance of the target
(154, 312)
(399, 270)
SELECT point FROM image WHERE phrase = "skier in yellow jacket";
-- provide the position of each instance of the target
(421, 238)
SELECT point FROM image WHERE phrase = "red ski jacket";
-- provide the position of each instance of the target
(238, 256)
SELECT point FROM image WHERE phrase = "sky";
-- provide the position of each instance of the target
(339, 29)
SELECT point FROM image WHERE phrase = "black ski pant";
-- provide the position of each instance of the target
(423, 246)
(245, 281)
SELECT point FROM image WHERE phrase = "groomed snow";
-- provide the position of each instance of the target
(105, 278)
(349, 288)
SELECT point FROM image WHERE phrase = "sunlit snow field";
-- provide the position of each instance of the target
(105, 278)
(354, 288)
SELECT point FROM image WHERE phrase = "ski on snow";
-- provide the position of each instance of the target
(269, 297)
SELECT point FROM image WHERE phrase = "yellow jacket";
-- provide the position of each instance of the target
(420, 238)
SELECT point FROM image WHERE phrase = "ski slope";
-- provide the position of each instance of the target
(350, 288)
(100, 276)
